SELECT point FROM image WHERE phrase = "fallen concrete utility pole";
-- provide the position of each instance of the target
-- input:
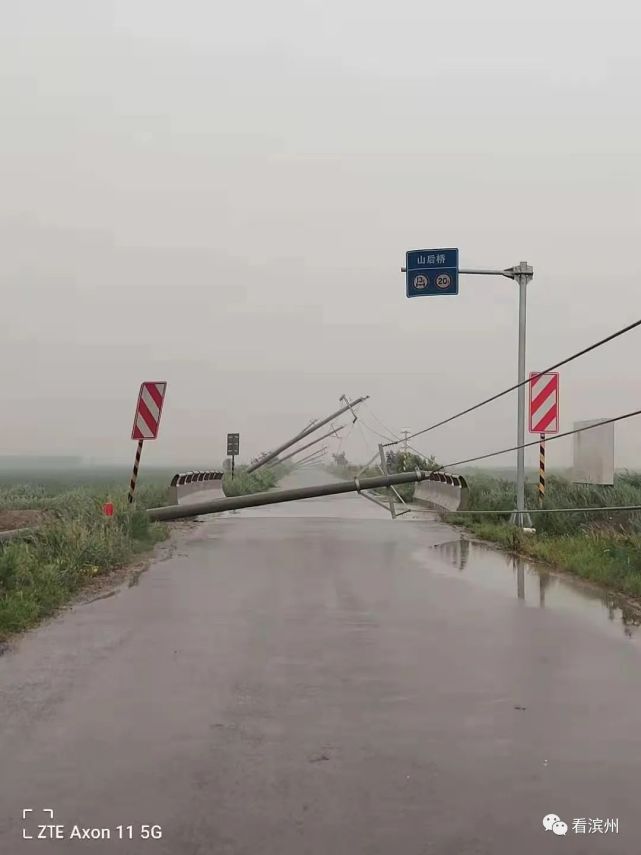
(272, 454)
(309, 445)
(254, 500)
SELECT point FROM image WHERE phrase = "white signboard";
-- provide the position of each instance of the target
(594, 453)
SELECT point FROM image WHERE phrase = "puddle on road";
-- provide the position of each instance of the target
(539, 586)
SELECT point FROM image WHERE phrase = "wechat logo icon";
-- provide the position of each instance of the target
(555, 824)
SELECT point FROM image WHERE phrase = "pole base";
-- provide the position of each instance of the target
(521, 519)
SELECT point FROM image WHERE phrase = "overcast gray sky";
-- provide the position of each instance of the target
(221, 195)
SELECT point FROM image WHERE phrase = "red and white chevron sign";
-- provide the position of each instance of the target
(148, 410)
(544, 402)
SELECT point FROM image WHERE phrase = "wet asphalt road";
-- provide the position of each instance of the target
(315, 678)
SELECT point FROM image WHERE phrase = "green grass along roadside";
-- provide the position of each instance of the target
(602, 548)
(245, 482)
(77, 543)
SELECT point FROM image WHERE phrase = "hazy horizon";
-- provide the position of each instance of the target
(222, 198)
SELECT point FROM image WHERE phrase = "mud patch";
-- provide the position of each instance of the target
(12, 520)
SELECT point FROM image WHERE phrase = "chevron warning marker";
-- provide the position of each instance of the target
(544, 402)
(148, 410)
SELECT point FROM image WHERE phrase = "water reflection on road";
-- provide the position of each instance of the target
(537, 585)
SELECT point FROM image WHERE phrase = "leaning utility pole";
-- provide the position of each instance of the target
(272, 454)
(333, 432)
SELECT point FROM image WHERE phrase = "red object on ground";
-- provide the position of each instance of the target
(108, 509)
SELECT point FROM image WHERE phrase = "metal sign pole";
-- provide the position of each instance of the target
(233, 460)
(542, 470)
(134, 474)
(151, 398)
(422, 279)
(521, 273)
(520, 427)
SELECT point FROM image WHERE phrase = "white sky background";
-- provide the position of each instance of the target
(221, 196)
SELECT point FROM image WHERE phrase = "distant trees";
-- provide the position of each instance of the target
(407, 461)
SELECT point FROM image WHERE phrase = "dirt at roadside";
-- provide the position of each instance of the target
(10, 520)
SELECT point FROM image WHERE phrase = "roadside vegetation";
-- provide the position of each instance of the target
(245, 482)
(72, 541)
(602, 547)
(73, 544)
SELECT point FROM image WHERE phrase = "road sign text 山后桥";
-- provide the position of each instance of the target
(431, 271)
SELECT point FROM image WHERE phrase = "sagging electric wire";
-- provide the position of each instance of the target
(523, 383)
(379, 466)
(367, 446)
(376, 455)
(344, 438)
(536, 441)
(389, 431)
(374, 431)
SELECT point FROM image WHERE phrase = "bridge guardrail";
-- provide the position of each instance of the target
(442, 491)
(184, 485)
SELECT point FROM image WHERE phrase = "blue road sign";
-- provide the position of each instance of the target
(431, 271)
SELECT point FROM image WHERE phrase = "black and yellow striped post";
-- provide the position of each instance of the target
(134, 475)
(542, 470)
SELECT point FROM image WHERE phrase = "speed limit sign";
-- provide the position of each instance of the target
(431, 272)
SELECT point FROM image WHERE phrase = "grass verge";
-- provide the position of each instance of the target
(78, 543)
(610, 560)
(245, 482)
(604, 548)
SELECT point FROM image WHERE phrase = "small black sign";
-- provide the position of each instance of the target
(233, 444)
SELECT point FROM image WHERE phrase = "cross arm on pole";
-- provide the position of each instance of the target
(508, 272)
(522, 269)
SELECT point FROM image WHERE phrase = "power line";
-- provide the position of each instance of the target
(537, 441)
(371, 429)
(552, 510)
(416, 451)
(374, 431)
(368, 448)
(344, 438)
(388, 430)
(525, 382)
